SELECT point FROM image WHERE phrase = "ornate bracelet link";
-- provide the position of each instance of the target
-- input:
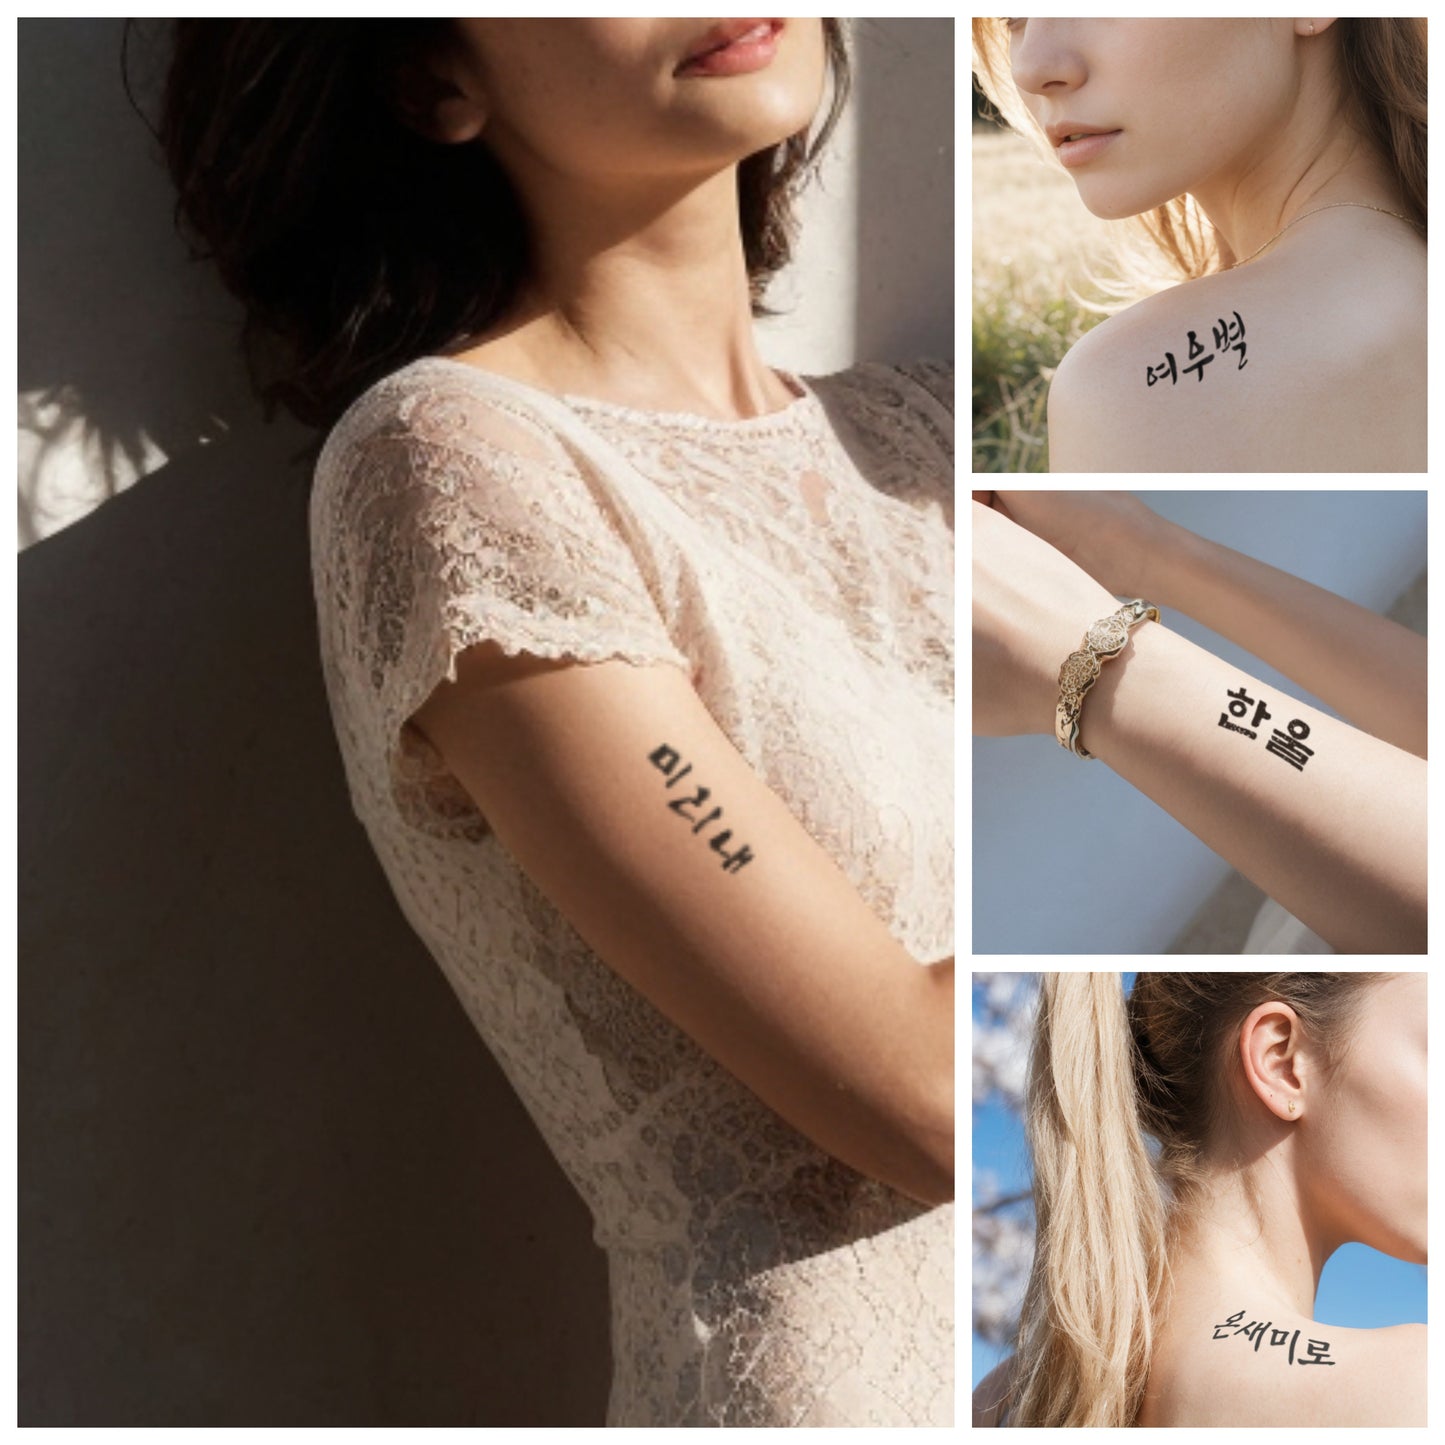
(1105, 639)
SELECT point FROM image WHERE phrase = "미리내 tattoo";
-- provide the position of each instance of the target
(666, 760)
(1315, 1352)
(1286, 743)
(1227, 337)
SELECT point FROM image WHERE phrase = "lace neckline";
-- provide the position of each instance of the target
(803, 403)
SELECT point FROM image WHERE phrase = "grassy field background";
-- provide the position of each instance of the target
(1032, 239)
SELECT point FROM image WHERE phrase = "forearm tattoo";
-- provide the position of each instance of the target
(1313, 1353)
(666, 760)
(1227, 337)
(1287, 744)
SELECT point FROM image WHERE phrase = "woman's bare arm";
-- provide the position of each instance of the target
(1339, 841)
(1368, 668)
(779, 970)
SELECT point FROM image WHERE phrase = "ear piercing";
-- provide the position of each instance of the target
(1312, 27)
(1291, 1106)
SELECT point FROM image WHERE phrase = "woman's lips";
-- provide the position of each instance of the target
(748, 52)
(1086, 148)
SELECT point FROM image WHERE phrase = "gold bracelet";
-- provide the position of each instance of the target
(1105, 639)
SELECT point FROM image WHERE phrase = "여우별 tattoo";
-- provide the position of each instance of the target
(1227, 338)
(1314, 1351)
(666, 759)
(1287, 743)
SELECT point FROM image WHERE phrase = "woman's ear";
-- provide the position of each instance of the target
(1272, 1055)
(1312, 27)
(427, 94)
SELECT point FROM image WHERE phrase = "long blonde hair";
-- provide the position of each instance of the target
(1382, 69)
(1102, 1073)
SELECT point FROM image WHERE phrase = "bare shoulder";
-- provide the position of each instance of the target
(989, 1396)
(1270, 368)
(1290, 1372)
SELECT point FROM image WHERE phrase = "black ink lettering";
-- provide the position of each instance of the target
(1315, 1352)
(1290, 746)
(1224, 722)
(666, 759)
(1227, 337)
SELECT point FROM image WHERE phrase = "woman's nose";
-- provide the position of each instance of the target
(1044, 60)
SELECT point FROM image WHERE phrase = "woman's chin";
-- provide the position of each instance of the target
(1113, 207)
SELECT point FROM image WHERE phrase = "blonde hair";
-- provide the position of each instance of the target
(1102, 1073)
(1382, 72)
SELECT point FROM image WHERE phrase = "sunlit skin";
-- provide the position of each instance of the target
(627, 172)
(1248, 117)
(1242, 114)
(1334, 1157)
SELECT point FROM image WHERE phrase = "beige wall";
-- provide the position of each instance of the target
(268, 1173)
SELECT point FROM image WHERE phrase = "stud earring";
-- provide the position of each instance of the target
(1312, 27)
(1291, 1106)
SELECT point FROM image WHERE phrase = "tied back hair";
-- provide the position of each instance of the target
(1381, 74)
(1102, 1075)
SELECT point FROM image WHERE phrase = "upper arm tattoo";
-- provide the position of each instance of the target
(666, 760)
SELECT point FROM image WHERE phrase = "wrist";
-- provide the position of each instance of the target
(1170, 549)
(1146, 669)
(1106, 647)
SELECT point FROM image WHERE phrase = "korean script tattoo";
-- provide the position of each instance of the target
(1315, 1352)
(1287, 742)
(1227, 337)
(666, 760)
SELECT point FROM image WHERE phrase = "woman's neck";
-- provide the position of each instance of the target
(1265, 1258)
(1313, 157)
(644, 298)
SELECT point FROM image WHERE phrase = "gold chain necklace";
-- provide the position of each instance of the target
(1333, 204)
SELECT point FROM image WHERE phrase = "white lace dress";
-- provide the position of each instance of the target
(799, 566)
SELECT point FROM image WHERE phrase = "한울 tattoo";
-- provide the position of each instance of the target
(1313, 1353)
(667, 760)
(1227, 337)
(1287, 743)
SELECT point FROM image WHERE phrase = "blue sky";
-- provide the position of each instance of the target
(1359, 1288)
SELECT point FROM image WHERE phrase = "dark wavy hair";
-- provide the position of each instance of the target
(354, 244)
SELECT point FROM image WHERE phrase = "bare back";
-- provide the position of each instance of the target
(1225, 1364)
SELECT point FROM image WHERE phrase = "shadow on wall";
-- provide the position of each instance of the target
(905, 99)
(269, 1173)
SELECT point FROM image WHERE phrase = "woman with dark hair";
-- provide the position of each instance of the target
(1277, 169)
(639, 652)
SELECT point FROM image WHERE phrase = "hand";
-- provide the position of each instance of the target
(1031, 608)
(1113, 536)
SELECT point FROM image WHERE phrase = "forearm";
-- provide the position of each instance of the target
(1368, 668)
(1340, 843)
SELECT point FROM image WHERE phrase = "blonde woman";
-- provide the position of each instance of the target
(1279, 169)
(1289, 1110)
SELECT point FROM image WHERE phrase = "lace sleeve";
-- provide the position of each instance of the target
(461, 519)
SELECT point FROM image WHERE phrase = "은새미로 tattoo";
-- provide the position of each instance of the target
(1313, 1352)
(667, 761)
